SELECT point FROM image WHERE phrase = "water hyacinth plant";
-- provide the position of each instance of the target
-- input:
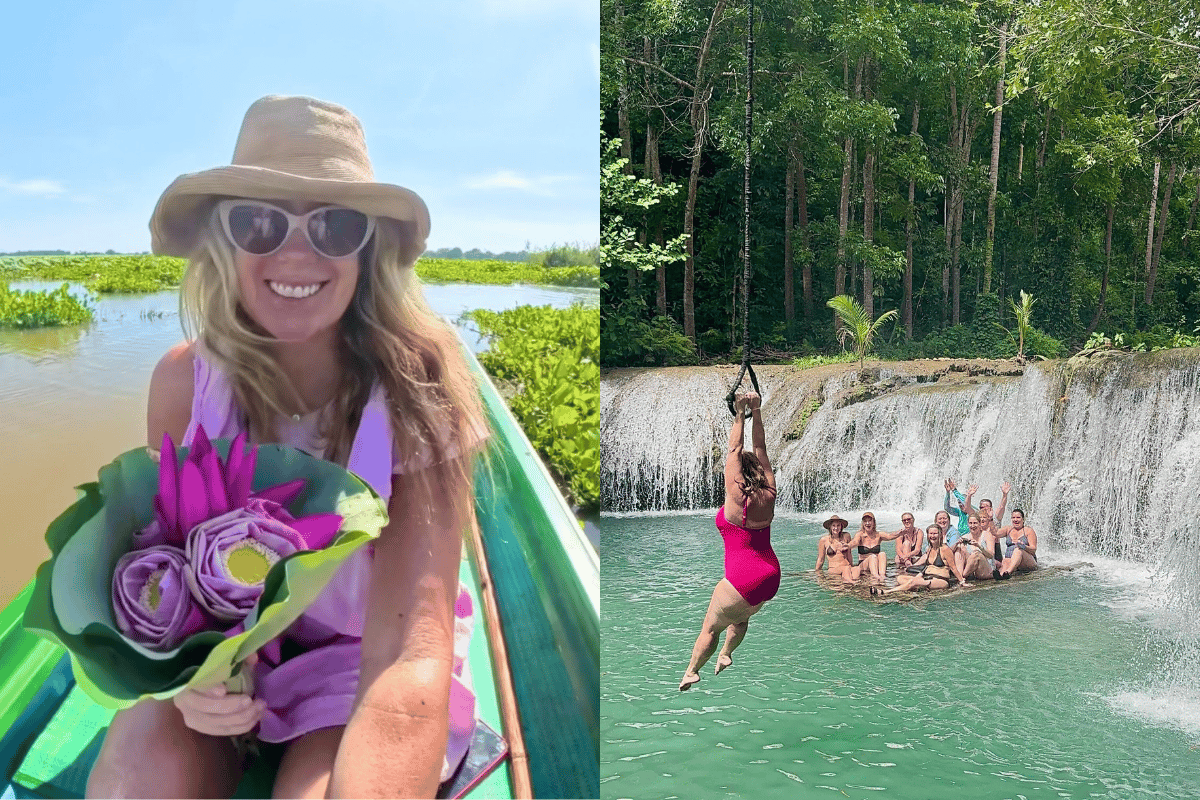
(124, 596)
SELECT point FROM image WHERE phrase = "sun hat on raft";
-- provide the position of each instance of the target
(290, 148)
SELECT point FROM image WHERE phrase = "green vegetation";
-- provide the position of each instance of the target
(925, 157)
(548, 359)
(857, 327)
(807, 362)
(132, 274)
(41, 309)
(115, 274)
(506, 272)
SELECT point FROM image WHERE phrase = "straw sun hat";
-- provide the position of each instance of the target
(290, 148)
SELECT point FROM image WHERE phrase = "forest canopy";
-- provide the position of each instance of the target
(935, 158)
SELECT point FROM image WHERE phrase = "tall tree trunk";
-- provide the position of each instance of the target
(869, 211)
(1163, 215)
(1104, 282)
(1021, 153)
(839, 280)
(789, 288)
(869, 231)
(654, 172)
(1195, 201)
(623, 128)
(1150, 232)
(1041, 158)
(806, 277)
(948, 212)
(701, 94)
(907, 304)
(994, 174)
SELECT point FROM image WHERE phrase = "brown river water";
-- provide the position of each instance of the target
(71, 399)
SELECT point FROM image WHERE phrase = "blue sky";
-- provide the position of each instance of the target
(486, 108)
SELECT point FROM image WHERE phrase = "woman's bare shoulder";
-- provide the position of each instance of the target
(169, 407)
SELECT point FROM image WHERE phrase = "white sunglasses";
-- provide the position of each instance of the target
(260, 228)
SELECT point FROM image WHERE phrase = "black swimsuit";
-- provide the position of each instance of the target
(939, 563)
(862, 551)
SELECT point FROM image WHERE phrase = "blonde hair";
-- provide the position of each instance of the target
(388, 334)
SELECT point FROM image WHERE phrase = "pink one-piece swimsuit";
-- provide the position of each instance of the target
(750, 563)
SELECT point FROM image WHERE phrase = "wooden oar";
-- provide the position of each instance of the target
(522, 784)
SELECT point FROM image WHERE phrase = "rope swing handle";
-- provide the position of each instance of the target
(729, 398)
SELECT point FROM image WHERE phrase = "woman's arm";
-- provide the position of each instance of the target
(1031, 548)
(395, 740)
(759, 437)
(169, 405)
(820, 553)
(1004, 490)
(737, 439)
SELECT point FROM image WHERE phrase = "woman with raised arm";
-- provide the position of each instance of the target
(751, 568)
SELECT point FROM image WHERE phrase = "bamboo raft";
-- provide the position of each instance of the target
(861, 590)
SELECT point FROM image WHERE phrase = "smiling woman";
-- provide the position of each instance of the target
(300, 292)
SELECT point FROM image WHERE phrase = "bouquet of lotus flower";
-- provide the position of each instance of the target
(169, 575)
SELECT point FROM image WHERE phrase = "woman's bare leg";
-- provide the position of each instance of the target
(733, 637)
(726, 608)
(148, 751)
(307, 764)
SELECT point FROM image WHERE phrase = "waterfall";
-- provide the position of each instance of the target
(1103, 454)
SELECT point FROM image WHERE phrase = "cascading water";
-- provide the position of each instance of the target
(1103, 455)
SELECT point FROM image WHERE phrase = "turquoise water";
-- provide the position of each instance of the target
(1021, 691)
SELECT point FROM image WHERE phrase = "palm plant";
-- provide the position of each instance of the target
(1023, 312)
(856, 325)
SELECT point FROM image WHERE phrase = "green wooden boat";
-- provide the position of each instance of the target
(535, 580)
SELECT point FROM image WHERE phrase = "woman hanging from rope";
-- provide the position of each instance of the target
(751, 568)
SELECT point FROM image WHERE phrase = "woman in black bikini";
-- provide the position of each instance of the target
(938, 567)
(835, 546)
(1020, 543)
(869, 542)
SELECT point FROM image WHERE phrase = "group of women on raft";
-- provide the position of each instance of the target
(977, 548)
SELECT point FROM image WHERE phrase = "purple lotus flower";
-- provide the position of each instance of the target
(151, 599)
(203, 487)
(230, 555)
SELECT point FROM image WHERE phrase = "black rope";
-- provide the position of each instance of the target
(746, 219)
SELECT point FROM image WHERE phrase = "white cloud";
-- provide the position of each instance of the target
(508, 179)
(37, 186)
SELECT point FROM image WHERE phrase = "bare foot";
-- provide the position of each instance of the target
(723, 661)
(688, 679)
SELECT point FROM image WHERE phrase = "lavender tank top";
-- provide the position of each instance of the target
(342, 605)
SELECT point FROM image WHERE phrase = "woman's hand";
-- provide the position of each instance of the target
(216, 712)
(754, 400)
(1005, 487)
(739, 402)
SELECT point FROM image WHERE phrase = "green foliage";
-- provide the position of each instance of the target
(857, 327)
(806, 362)
(42, 309)
(1023, 313)
(132, 274)
(1157, 338)
(620, 195)
(506, 272)
(567, 255)
(550, 357)
(631, 341)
